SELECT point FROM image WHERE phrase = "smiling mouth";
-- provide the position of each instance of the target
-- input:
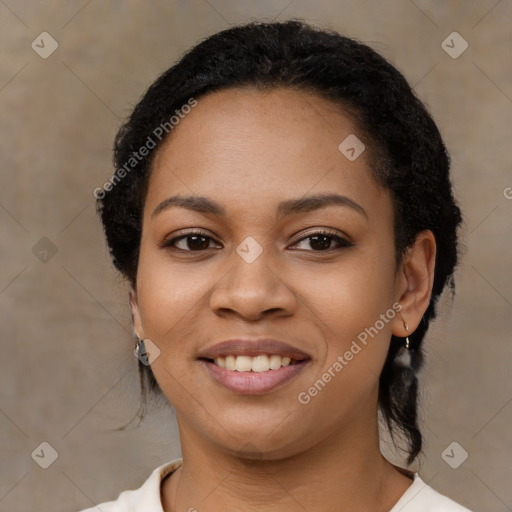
(258, 364)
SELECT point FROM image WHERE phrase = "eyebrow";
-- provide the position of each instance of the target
(306, 204)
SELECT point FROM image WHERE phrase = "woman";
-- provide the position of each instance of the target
(283, 212)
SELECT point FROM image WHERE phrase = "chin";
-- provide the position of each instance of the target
(271, 443)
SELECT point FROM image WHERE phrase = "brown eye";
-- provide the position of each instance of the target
(321, 241)
(189, 242)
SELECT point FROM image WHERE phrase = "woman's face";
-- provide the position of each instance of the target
(258, 271)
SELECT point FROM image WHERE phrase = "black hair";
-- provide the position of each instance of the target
(406, 150)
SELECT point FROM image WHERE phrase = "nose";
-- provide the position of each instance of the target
(252, 290)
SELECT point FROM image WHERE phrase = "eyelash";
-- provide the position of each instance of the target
(343, 243)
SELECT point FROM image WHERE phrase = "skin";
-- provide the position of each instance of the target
(248, 150)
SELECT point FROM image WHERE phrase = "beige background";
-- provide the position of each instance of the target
(67, 372)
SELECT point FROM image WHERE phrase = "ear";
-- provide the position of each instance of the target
(414, 281)
(136, 320)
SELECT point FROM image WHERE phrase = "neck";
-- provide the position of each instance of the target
(346, 469)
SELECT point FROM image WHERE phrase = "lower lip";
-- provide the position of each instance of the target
(253, 383)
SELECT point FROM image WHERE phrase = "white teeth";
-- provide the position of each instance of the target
(243, 363)
(275, 362)
(230, 362)
(261, 363)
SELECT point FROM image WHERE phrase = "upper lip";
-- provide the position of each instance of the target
(253, 348)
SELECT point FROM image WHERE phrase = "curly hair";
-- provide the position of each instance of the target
(407, 155)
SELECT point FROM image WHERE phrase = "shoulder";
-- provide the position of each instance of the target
(420, 497)
(146, 497)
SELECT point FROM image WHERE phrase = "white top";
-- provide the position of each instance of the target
(419, 497)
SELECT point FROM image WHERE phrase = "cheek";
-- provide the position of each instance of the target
(353, 294)
(354, 308)
(170, 298)
(169, 303)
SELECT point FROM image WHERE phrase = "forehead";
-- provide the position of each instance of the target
(259, 146)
